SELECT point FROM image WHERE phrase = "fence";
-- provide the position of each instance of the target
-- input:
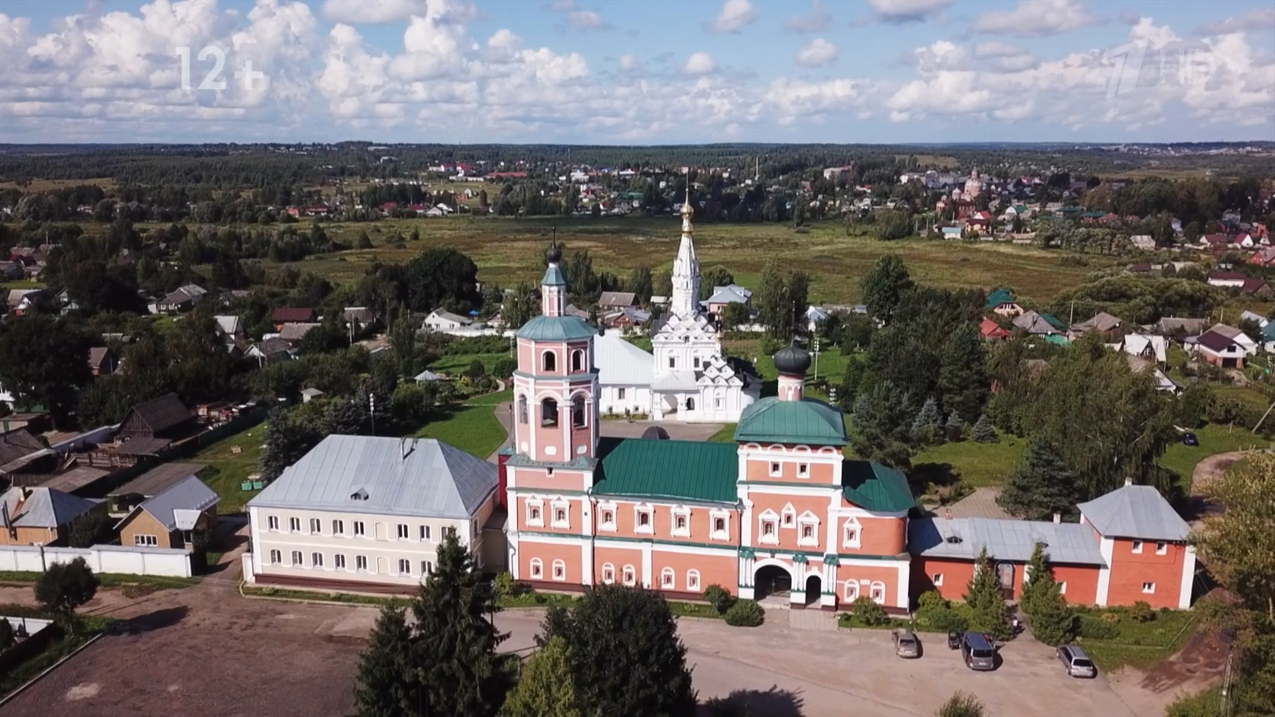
(101, 558)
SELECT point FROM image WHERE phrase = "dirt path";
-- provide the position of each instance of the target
(1206, 471)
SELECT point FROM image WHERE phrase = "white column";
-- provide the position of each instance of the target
(1188, 578)
(254, 531)
(646, 564)
(1107, 548)
(903, 601)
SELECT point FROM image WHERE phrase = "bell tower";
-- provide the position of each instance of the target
(686, 278)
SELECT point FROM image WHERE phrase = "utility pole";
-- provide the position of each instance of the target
(816, 359)
(371, 407)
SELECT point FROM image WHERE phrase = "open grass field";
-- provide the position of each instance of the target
(47, 185)
(509, 250)
(1213, 440)
(472, 426)
(977, 464)
(226, 468)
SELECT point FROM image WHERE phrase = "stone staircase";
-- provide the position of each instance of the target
(812, 619)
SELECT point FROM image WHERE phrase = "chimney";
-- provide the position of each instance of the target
(947, 513)
(1057, 518)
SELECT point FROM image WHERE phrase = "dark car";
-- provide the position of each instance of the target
(1190, 439)
(953, 639)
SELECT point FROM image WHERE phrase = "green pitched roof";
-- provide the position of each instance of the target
(1053, 321)
(806, 421)
(875, 487)
(556, 328)
(553, 277)
(670, 469)
(998, 297)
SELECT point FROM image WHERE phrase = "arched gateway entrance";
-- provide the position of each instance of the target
(772, 580)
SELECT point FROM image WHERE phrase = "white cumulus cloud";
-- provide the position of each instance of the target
(734, 16)
(700, 63)
(816, 53)
(1037, 17)
(819, 20)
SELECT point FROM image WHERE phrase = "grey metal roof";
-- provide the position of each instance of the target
(409, 476)
(1135, 511)
(730, 294)
(170, 506)
(1012, 540)
(43, 507)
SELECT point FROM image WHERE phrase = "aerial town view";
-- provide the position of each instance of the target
(578, 358)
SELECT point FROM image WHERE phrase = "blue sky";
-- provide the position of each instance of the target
(654, 72)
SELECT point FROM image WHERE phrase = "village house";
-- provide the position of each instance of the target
(992, 331)
(1038, 323)
(1224, 346)
(150, 427)
(1227, 279)
(730, 294)
(270, 351)
(291, 315)
(40, 515)
(610, 300)
(443, 320)
(102, 361)
(181, 300)
(360, 510)
(294, 333)
(230, 329)
(1102, 323)
(1001, 302)
(181, 516)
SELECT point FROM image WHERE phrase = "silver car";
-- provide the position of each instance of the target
(905, 643)
(1076, 661)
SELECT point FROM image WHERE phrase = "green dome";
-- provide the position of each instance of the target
(556, 328)
(807, 422)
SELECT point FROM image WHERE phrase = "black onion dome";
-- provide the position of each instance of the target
(792, 360)
(555, 254)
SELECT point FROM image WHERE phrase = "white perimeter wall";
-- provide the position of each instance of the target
(100, 558)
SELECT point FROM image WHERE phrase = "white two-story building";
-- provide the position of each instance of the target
(361, 510)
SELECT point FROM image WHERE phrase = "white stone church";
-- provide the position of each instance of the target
(688, 378)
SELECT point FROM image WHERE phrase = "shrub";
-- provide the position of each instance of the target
(726, 707)
(719, 597)
(506, 587)
(745, 613)
(1111, 616)
(1140, 611)
(931, 600)
(1097, 628)
(961, 705)
(868, 612)
(946, 620)
(6, 635)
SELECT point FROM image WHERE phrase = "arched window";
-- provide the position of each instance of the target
(550, 362)
(692, 580)
(608, 573)
(577, 411)
(577, 360)
(537, 568)
(548, 413)
(629, 575)
(877, 592)
(522, 409)
(668, 579)
(852, 590)
(559, 570)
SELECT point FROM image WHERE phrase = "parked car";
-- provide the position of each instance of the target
(1076, 661)
(953, 639)
(1190, 439)
(978, 651)
(905, 643)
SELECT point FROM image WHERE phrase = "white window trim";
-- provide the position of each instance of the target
(537, 568)
(608, 573)
(294, 525)
(937, 580)
(776, 469)
(316, 563)
(276, 557)
(724, 533)
(403, 531)
(401, 563)
(1148, 592)
(851, 590)
(1162, 548)
(338, 528)
(563, 505)
(808, 519)
(272, 523)
(851, 524)
(559, 571)
(649, 528)
(338, 562)
(628, 575)
(668, 579)
(425, 533)
(769, 516)
(316, 526)
(360, 529)
(785, 515)
(692, 580)
(603, 510)
(803, 470)
(360, 563)
(873, 587)
(680, 512)
(539, 505)
(1062, 587)
(298, 560)
(1137, 547)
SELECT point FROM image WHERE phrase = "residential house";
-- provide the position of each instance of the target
(361, 510)
(1150, 347)
(1255, 317)
(1256, 286)
(992, 331)
(181, 516)
(1038, 323)
(1142, 242)
(230, 329)
(729, 294)
(1224, 346)
(1138, 364)
(18, 448)
(1214, 242)
(1001, 302)
(626, 319)
(953, 231)
(1227, 279)
(182, 300)
(1263, 257)
(270, 351)
(358, 317)
(149, 427)
(102, 361)
(1171, 325)
(1268, 337)
(427, 376)
(442, 320)
(310, 394)
(40, 515)
(291, 315)
(1102, 323)
(295, 333)
(24, 301)
(618, 300)
(148, 485)
(659, 300)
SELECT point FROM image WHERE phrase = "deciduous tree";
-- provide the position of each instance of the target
(65, 586)
(883, 286)
(545, 688)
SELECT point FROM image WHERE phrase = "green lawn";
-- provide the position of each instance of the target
(472, 426)
(1139, 644)
(1213, 440)
(455, 366)
(22, 284)
(226, 468)
(978, 464)
(726, 435)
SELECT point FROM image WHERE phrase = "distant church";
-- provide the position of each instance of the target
(688, 378)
